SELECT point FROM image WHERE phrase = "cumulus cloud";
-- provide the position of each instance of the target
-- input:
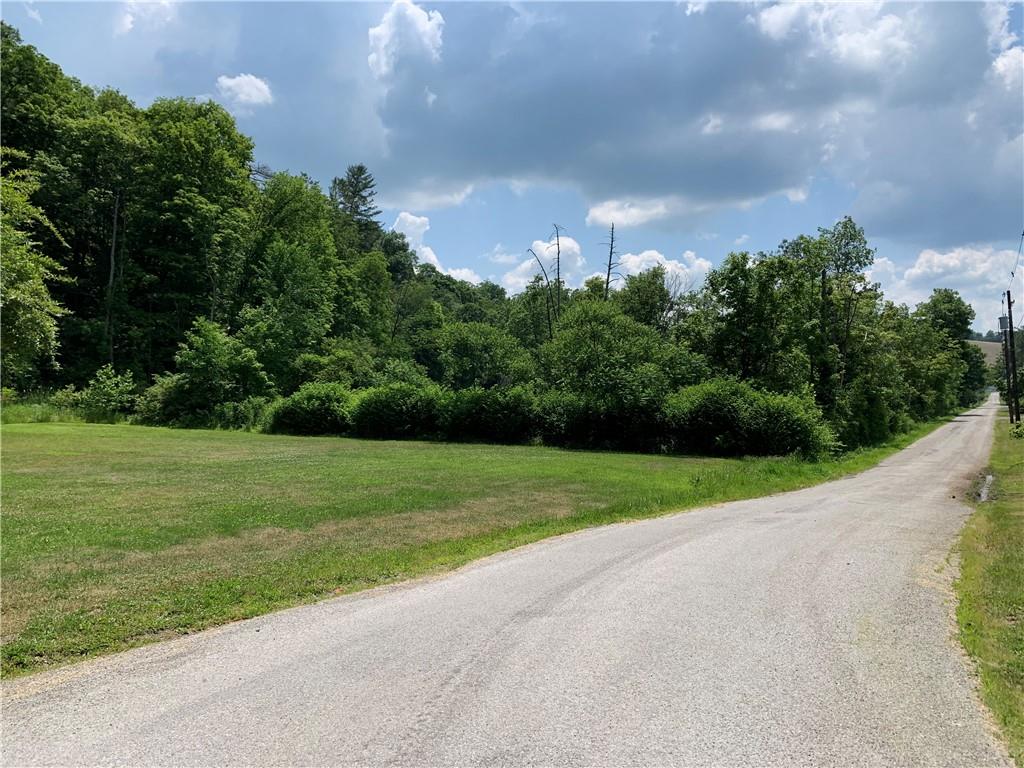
(573, 267)
(243, 92)
(499, 255)
(863, 35)
(685, 273)
(415, 228)
(406, 30)
(741, 240)
(134, 12)
(866, 95)
(980, 273)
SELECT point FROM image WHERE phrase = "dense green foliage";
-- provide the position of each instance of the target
(317, 408)
(150, 241)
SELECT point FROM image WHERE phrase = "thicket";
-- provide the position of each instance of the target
(154, 271)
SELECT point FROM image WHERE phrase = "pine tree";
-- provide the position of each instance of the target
(355, 194)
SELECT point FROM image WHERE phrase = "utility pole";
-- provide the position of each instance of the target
(1003, 329)
(1014, 392)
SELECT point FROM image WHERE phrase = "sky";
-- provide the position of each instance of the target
(696, 128)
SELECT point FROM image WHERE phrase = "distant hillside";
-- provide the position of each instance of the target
(990, 348)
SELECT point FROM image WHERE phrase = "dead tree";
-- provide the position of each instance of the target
(612, 264)
(558, 271)
(547, 292)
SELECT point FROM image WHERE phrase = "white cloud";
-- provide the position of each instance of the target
(628, 213)
(428, 194)
(464, 273)
(244, 91)
(796, 194)
(572, 259)
(1009, 67)
(687, 272)
(133, 12)
(517, 279)
(573, 264)
(695, 8)
(777, 20)
(32, 12)
(430, 96)
(405, 29)
(499, 255)
(979, 272)
(859, 34)
(997, 21)
(773, 121)
(741, 240)
(415, 228)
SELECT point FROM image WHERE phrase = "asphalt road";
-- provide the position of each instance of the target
(808, 628)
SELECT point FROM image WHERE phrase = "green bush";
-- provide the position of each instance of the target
(315, 409)
(156, 403)
(565, 418)
(489, 415)
(68, 398)
(397, 411)
(249, 415)
(108, 396)
(213, 368)
(1017, 431)
(722, 417)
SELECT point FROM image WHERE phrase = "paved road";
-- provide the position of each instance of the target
(808, 628)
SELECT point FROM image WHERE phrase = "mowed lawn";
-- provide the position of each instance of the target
(116, 535)
(991, 589)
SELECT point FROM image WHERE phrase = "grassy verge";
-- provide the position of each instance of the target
(991, 589)
(114, 536)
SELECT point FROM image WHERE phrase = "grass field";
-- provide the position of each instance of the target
(991, 589)
(115, 535)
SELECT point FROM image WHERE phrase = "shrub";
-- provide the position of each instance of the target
(315, 409)
(722, 417)
(68, 398)
(249, 415)
(397, 411)
(489, 415)
(564, 418)
(213, 368)
(1017, 431)
(157, 402)
(109, 395)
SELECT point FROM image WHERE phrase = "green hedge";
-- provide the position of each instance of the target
(314, 409)
(488, 415)
(398, 411)
(722, 417)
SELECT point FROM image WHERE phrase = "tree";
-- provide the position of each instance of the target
(28, 313)
(946, 311)
(478, 355)
(354, 197)
(646, 298)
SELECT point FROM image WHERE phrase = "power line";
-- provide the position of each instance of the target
(1016, 261)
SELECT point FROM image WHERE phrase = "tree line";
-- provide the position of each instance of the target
(152, 268)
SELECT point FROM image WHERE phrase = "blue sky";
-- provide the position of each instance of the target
(698, 128)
